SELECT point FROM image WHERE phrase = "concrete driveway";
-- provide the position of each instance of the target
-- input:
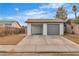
(38, 43)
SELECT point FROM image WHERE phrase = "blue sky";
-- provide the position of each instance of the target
(22, 11)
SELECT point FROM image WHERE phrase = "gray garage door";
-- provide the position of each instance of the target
(53, 29)
(37, 29)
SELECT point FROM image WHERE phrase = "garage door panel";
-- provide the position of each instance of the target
(37, 29)
(53, 29)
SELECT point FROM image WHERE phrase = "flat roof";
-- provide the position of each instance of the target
(45, 21)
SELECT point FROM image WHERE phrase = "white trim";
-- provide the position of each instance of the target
(28, 29)
(44, 29)
(61, 29)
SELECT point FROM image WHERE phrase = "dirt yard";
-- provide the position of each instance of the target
(11, 39)
(72, 37)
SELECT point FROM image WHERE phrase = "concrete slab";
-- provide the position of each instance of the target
(25, 48)
(6, 48)
(38, 43)
(55, 41)
(72, 48)
(51, 48)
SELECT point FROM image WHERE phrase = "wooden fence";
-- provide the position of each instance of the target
(76, 29)
(11, 30)
(72, 29)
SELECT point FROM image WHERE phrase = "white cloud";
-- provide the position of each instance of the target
(77, 13)
(52, 5)
(42, 13)
(9, 17)
(71, 16)
(41, 16)
(17, 9)
(37, 13)
(32, 14)
(1, 18)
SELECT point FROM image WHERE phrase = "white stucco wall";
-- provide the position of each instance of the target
(28, 29)
(61, 29)
(44, 29)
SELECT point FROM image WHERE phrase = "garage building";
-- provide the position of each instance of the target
(45, 27)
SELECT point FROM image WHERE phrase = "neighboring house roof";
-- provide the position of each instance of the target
(8, 22)
(45, 21)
